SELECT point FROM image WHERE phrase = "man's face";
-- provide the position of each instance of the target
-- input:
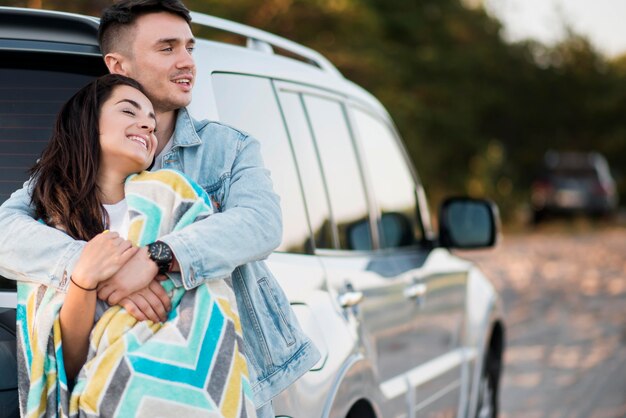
(161, 60)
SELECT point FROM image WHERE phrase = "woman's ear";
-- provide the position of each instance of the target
(116, 63)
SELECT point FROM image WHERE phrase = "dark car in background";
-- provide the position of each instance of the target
(574, 182)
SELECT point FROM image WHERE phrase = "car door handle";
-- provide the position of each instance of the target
(350, 299)
(416, 290)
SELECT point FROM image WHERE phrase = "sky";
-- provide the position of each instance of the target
(602, 21)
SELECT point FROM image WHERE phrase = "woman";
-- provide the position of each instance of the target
(84, 184)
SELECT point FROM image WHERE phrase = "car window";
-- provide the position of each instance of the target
(29, 101)
(250, 104)
(307, 160)
(391, 179)
(341, 171)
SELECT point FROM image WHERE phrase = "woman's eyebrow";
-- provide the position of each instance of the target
(138, 106)
(132, 102)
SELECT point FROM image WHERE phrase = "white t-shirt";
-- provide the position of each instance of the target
(118, 217)
(118, 222)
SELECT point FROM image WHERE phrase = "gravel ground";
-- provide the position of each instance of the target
(564, 292)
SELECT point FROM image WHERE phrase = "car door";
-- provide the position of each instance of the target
(365, 287)
(248, 103)
(428, 346)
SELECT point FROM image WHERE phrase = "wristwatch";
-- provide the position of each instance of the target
(162, 255)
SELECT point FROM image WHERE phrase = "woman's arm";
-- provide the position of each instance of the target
(77, 318)
(101, 258)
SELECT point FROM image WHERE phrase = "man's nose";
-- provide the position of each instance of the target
(185, 59)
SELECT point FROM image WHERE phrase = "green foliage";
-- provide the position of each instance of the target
(477, 114)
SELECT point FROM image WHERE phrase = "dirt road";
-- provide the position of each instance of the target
(565, 298)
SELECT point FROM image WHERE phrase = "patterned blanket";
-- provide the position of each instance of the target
(190, 366)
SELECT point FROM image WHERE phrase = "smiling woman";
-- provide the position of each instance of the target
(84, 165)
(127, 140)
(85, 182)
(76, 172)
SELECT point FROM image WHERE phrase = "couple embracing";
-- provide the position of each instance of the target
(137, 246)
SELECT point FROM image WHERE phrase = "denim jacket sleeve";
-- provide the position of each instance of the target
(247, 227)
(30, 250)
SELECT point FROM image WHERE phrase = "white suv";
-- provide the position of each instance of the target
(405, 327)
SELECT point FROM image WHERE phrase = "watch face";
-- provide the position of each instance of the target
(161, 254)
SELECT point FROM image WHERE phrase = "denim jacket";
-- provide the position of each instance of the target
(246, 228)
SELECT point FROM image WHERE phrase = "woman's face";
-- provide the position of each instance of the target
(127, 125)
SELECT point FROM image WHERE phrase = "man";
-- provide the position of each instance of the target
(151, 41)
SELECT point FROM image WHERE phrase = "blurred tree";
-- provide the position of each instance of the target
(476, 113)
(90, 7)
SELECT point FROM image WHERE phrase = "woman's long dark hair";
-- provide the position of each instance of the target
(65, 191)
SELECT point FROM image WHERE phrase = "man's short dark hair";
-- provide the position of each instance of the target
(121, 15)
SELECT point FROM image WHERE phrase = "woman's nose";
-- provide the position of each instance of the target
(146, 125)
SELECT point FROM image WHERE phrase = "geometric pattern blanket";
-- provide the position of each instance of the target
(192, 365)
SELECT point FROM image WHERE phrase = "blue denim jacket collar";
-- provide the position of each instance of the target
(186, 132)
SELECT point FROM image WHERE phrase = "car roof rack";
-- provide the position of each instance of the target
(34, 24)
(262, 41)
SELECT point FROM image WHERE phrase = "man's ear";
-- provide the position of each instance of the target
(116, 63)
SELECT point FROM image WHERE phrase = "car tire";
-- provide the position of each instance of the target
(487, 396)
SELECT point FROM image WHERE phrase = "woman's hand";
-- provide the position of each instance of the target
(101, 258)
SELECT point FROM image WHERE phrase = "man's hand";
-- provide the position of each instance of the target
(135, 275)
(151, 303)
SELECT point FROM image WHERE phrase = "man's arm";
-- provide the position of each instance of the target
(248, 228)
(32, 251)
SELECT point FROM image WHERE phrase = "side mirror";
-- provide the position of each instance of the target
(467, 223)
